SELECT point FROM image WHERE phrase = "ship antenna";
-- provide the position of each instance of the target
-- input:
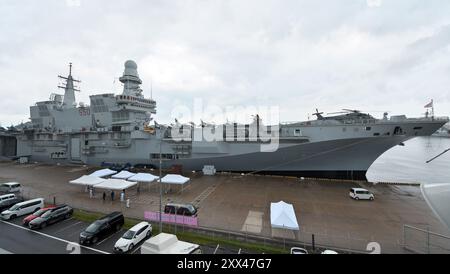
(70, 68)
(151, 88)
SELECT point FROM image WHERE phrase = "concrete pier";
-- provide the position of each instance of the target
(241, 204)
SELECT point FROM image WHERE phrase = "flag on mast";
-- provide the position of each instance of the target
(430, 105)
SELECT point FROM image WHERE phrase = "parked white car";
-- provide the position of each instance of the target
(329, 252)
(164, 243)
(22, 208)
(298, 250)
(361, 194)
(12, 187)
(132, 237)
(7, 197)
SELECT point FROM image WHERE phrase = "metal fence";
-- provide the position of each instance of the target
(424, 241)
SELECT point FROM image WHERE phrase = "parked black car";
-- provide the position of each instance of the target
(188, 210)
(4, 205)
(52, 216)
(102, 228)
(142, 168)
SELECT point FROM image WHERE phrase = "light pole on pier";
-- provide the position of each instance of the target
(160, 181)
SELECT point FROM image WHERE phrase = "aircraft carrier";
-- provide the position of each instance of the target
(120, 129)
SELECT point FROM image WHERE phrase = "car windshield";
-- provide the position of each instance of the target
(14, 207)
(46, 213)
(39, 212)
(191, 208)
(94, 227)
(129, 235)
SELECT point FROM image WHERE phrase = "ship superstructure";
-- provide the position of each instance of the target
(119, 129)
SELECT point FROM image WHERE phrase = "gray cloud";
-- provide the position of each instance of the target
(296, 54)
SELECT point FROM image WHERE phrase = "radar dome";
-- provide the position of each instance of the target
(130, 69)
(130, 64)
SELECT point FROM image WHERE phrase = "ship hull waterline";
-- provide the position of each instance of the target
(336, 159)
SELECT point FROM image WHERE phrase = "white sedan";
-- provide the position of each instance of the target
(134, 236)
(329, 252)
(298, 250)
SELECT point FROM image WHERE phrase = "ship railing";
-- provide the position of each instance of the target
(328, 122)
(440, 118)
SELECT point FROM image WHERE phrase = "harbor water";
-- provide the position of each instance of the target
(406, 164)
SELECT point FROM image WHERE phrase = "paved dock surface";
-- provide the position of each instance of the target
(242, 204)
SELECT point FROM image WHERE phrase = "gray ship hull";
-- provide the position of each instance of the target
(342, 158)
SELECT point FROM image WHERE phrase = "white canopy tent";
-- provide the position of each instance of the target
(143, 178)
(87, 180)
(175, 179)
(282, 218)
(115, 184)
(103, 173)
(124, 175)
(146, 178)
(282, 215)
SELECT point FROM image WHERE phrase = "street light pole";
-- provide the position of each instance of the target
(160, 183)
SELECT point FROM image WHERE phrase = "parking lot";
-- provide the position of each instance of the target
(59, 238)
(62, 238)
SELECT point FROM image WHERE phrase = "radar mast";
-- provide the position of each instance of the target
(69, 90)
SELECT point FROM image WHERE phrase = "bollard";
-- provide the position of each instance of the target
(313, 243)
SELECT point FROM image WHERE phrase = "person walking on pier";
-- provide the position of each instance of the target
(104, 196)
(122, 196)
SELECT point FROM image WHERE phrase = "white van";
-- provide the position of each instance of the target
(22, 208)
(12, 187)
(164, 243)
(361, 194)
(7, 197)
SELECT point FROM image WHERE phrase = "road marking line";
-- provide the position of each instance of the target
(217, 247)
(67, 227)
(136, 248)
(65, 220)
(53, 237)
(108, 238)
(205, 194)
(3, 251)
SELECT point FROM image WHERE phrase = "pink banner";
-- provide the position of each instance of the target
(171, 219)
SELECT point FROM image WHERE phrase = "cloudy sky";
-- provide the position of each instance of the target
(373, 55)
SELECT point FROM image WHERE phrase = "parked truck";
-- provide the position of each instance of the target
(164, 243)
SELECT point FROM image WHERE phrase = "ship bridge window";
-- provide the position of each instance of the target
(122, 115)
(155, 156)
(418, 128)
(368, 128)
(298, 132)
(376, 134)
(398, 131)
